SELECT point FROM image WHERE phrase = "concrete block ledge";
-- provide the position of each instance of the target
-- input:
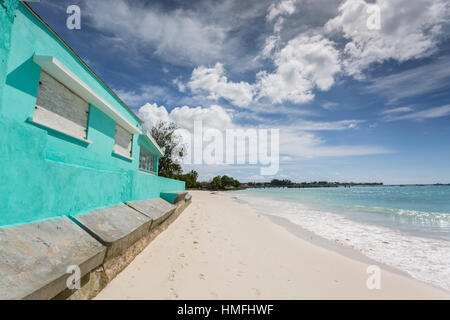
(34, 257)
(156, 209)
(174, 196)
(116, 227)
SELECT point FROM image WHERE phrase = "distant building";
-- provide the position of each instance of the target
(68, 144)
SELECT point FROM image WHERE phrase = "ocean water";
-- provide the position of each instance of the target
(405, 227)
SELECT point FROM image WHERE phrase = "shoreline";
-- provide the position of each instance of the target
(221, 249)
(339, 247)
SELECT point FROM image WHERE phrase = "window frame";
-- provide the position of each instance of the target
(155, 161)
(36, 119)
(117, 152)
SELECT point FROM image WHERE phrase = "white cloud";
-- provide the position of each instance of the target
(277, 12)
(295, 143)
(298, 144)
(437, 112)
(397, 110)
(286, 7)
(180, 85)
(328, 126)
(305, 63)
(177, 36)
(215, 83)
(142, 94)
(421, 80)
(409, 30)
(214, 117)
(270, 45)
(329, 105)
(151, 114)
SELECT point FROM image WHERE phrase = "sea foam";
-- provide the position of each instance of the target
(425, 259)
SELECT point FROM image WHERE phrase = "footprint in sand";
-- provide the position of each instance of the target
(174, 293)
(201, 276)
(256, 291)
(172, 276)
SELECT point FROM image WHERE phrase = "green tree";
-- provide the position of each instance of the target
(227, 181)
(191, 179)
(216, 183)
(165, 135)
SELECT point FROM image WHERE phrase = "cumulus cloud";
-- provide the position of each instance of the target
(215, 83)
(214, 117)
(305, 63)
(409, 30)
(151, 114)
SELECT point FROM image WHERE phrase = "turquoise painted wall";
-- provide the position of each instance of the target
(7, 14)
(45, 174)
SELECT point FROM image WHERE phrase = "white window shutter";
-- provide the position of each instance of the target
(59, 108)
(122, 145)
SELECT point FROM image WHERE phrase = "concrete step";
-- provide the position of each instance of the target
(117, 227)
(34, 257)
(174, 196)
(156, 209)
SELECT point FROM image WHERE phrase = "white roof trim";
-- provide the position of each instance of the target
(56, 69)
(153, 141)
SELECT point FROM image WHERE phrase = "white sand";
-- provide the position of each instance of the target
(221, 249)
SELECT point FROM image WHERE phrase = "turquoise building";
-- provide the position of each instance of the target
(68, 143)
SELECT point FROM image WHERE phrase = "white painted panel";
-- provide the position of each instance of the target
(59, 108)
(123, 142)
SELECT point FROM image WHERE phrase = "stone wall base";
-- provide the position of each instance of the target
(96, 280)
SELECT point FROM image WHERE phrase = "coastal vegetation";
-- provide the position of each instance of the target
(275, 183)
(229, 183)
(165, 136)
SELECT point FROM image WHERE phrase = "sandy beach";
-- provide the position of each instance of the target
(221, 249)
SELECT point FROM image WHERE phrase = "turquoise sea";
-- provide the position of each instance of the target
(406, 227)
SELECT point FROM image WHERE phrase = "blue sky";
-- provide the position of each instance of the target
(351, 103)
